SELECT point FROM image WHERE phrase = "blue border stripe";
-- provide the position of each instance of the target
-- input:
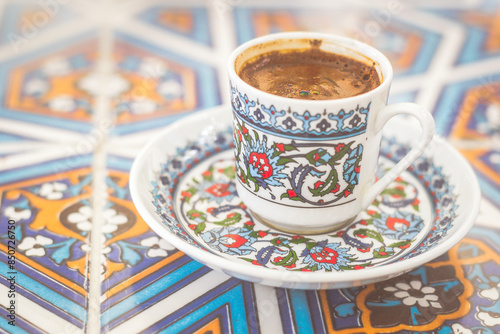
(229, 293)
(153, 292)
(221, 313)
(47, 298)
(314, 308)
(54, 285)
(117, 162)
(301, 312)
(153, 277)
(285, 311)
(45, 168)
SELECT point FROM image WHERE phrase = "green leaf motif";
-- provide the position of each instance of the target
(231, 220)
(340, 154)
(369, 233)
(288, 260)
(200, 228)
(197, 216)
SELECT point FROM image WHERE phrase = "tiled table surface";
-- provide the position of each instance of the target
(85, 84)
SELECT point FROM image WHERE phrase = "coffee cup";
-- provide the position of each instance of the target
(307, 153)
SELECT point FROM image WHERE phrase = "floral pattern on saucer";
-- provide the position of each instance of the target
(196, 197)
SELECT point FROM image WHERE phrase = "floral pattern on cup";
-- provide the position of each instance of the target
(332, 124)
(293, 170)
(196, 198)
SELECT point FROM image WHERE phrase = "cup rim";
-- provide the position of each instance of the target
(355, 45)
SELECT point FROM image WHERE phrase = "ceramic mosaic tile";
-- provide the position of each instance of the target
(81, 98)
(52, 86)
(48, 206)
(155, 86)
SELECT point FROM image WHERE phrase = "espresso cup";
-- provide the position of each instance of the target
(308, 166)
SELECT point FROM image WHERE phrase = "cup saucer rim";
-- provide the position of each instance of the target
(304, 280)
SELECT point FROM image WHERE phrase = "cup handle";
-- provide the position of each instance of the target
(427, 124)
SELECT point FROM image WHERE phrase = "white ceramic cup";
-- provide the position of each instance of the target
(308, 166)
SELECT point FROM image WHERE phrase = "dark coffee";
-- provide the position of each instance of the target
(311, 74)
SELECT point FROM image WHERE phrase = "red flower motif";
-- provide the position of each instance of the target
(346, 193)
(239, 135)
(364, 250)
(262, 234)
(261, 162)
(291, 266)
(210, 210)
(219, 190)
(318, 184)
(404, 246)
(291, 193)
(361, 235)
(233, 240)
(192, 226)
(327, 255)
(357, 169)
(392, 223)
(207, 173)
(371, 212)
(358, 267)
(186, 194)
(244, 129)
(337, 187)
(363, 222)
(280, 147)
(249, 223)
(339, 147)
(254, 262)
(316, 157)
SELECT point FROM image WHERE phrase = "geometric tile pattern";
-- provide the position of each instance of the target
(85, 85)
(190, 23)
(51, 86)
(481, 30)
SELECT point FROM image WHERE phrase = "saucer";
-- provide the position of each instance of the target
(183, 186)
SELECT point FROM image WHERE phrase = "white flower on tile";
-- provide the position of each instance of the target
(170, 88)
(35, 246)
(63, 103)
(112, 220)
(56, 66)
(53, 190)
(488, 319)
(459, 329)
(143, 106)
(495, 158)
(414, 293)
(492, 292)
(82, 218)
(492, 122)
(110, 85)
(102, 258)
(16, 214)
(157, 247)
(151, 67)
(36, 86)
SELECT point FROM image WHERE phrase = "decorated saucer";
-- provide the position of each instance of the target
(183, 186)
